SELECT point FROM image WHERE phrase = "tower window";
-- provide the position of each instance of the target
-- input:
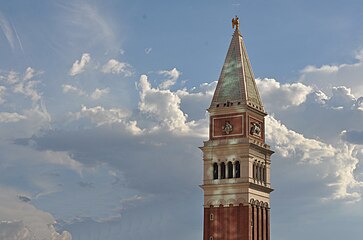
(210, 238)
(254, 171)
(230, 170)
(223, 170)
(211, 217)
(215, 171)
(264, 174)
(237, 169)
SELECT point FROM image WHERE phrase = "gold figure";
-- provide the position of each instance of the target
(235, 22)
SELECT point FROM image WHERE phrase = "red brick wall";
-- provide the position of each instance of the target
(229, 223)
(234, 223)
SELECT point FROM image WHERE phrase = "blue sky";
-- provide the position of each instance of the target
(102, 108)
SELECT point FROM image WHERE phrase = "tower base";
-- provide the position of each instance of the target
(243, 222)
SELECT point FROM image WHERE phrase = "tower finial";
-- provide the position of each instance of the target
(235, 22)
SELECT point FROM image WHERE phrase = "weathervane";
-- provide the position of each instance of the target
(235, 22)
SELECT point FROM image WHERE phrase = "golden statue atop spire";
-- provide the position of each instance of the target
(235, 22)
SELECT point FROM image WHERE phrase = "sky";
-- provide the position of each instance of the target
(103, 108)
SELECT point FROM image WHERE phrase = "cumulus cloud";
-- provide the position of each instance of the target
(171, 75)
(336, 163)
(289, 143)
(115, 67)
(101, 116)
(341, 98)
(79, 65)
(328, 76)
(304, 107)
(164, 105)
(282, 95)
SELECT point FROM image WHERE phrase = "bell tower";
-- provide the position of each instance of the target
(236, 159)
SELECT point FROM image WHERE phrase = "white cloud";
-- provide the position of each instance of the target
(115, 67)
(101, 116)
(172, 76)
(2, 93)
(341, 98)
(22, 221)
(7, 30)
(79, 65)
(291, 144)
(163, 108)
(67, 88)
(336, 164)
(13, 77)
(29, 74)
(164, 105)
(98, 93)
(28, 89)
(6, 117)
(326, 77)
(275, 94)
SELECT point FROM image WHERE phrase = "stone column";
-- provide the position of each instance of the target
(267, 224)
(255, 222)
(234, 170)
(219, 171)
(259, 223)
(264, 222)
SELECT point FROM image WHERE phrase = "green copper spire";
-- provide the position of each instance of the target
(236, 83)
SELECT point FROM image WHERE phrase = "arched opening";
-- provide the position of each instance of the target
(230, 170)
(237, 170)
(215, 171)
(223, 170)
(254, 171)
(259, 175)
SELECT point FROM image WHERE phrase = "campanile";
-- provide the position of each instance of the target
(236, 159)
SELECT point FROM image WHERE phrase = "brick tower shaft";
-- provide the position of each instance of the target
(236, 159)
